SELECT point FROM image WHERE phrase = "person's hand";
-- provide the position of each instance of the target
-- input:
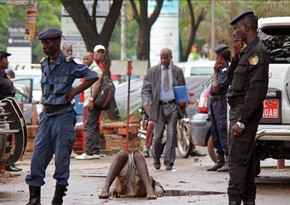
(182, 103)
(236, 131)
(91, 105)
(69, 96)
(112, 192)
(146, 108)
(190, 93)
(159, 191)
(238, 45)
(218, 64)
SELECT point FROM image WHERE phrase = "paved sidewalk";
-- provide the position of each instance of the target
(190, 176)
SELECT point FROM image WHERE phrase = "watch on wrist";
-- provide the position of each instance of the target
(241, 125)
(91, 99)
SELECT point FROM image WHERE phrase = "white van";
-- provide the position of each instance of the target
(199, 67)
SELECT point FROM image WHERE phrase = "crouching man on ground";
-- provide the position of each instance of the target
(131, 178)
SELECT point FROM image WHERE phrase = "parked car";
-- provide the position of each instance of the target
(21, 77)
(197, 68)
(24, 97)
(200, 122)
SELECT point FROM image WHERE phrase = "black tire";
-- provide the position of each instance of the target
(210, 149)
(184, 143)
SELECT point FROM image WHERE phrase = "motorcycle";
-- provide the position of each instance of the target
(184, 141)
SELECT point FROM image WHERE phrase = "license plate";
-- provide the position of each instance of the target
(271, 108)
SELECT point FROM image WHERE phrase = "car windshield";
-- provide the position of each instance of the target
(201, 70)
(277, 41)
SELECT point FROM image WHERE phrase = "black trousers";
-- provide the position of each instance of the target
(92, 131)
(242, 160)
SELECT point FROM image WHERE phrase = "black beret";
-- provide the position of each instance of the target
(50, 33)
(220, 47)
(4, 54)
(240, 16)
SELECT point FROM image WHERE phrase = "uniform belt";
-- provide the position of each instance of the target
(217, 97)
(165, 102)
(54, 108)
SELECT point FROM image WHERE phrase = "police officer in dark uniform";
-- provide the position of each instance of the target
(55, 133)
(218, 107)
(6, 90)
(248, 79)
(6, 85)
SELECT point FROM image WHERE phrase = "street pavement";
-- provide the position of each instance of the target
(188, 183)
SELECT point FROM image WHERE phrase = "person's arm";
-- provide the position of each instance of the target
(95, 92)
(146, 93)
(86, 84)
(238, 45)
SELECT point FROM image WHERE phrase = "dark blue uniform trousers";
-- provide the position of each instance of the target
(218, 109)
(55, 135)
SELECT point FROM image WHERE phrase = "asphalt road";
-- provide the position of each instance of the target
(189, 183)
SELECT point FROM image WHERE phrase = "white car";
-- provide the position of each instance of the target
(35, 74)
(199, 67)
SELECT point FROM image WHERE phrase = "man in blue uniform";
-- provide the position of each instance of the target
(218, 107)
(248, 79)
(55, 134)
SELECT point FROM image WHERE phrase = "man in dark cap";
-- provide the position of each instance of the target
(248, 79)
(6, 85)
(218, 107)
(55, 133)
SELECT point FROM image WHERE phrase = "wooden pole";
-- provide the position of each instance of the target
(129, 70)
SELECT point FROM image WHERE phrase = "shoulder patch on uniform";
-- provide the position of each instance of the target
(254, 60)
(224, 70)
(68, 59)
(77, 61)
(42, 60)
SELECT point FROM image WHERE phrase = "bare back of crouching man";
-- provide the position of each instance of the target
(131, 178)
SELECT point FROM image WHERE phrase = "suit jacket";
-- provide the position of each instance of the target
(151, 89)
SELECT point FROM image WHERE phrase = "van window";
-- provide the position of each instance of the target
(277, 42)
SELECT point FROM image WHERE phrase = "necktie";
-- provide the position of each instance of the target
(166, 80)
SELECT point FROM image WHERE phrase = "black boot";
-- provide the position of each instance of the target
(224, 168)
(34, 195)
(219, 164)
(234, 203)
(58, 194)
(249, 202)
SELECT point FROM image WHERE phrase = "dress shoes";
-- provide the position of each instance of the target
(196, 153)
(224, 168)
(215, 167)
(157, 165)
(168, 167)
(146, 153)
(12, 168)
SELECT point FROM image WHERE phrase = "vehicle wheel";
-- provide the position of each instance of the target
(211, 150)
(257, 167)
(184, 144)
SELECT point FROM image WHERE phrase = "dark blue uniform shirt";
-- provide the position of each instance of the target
(57, 79)
(6, 86)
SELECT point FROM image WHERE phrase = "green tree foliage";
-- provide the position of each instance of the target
(6, 13)
(48, 15)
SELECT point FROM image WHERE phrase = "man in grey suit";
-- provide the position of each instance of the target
(158, 100)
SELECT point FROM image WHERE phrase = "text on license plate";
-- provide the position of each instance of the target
(271, 108)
